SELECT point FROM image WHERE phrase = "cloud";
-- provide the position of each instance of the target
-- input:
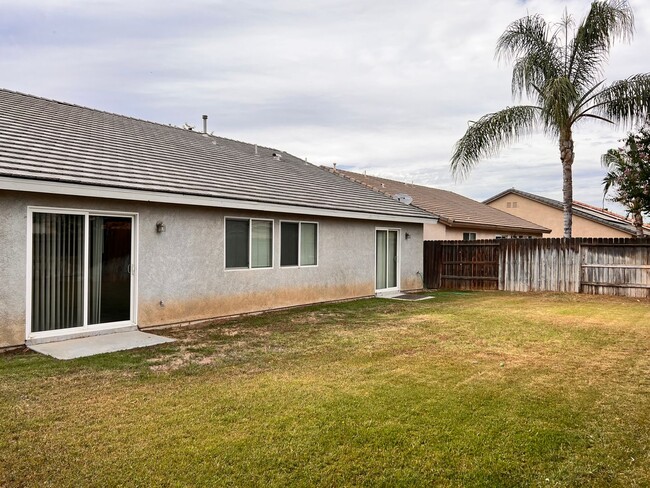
(377, 85)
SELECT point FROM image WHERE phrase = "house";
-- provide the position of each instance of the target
(110, 223)
(588, 221)
(462, 218)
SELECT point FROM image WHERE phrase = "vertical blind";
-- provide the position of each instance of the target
(381, 260)
(386, 259)
(57, 271)
(262, 243)
(308, 244)
(242, 233)
(298, 244)
(95, 270)
(391, 255)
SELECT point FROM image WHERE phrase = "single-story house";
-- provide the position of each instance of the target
(112, 223)
(461, 218)
(588, 221)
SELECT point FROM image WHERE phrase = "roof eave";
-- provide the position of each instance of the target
(558, 206)
(504, 228)
(109, 192)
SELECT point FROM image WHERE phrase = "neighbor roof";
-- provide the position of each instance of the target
(454, 210)
(586, 211)
(67, 145)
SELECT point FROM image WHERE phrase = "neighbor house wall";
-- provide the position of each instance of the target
(440, 232)
(184, 267)
(552, 218)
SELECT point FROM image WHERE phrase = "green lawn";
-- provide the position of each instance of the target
(466, 389)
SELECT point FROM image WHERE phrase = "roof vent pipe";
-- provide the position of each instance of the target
(205, 124)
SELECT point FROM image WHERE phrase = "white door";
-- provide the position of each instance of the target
(387, 260)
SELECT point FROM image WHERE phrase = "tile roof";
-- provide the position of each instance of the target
(46, 140)
(586, 211)
(453, 209)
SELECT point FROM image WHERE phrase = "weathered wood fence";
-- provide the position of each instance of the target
(580, 265)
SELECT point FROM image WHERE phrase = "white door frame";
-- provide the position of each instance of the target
(398, 250)
(85, 328)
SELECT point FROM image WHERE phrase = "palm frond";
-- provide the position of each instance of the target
(626, 101)
(528, 75)
(485, 137)
(530, 42)
(586, 99)
(610, 159)
(558, 96)
(606, 22)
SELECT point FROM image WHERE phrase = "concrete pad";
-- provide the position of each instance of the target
(100, 344)
(410, 297)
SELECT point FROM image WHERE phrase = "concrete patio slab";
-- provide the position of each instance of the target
(410, 297)
(100, 344)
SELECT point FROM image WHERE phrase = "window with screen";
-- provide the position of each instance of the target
(298, 244)
(249, 243)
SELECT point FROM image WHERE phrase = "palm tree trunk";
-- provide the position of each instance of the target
(566, 156)
(638, 224)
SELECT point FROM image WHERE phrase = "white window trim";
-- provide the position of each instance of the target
(87, 213)
(399, 261)
(250, 244)
(300, 265)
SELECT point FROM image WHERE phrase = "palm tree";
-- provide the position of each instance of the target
(559, 67)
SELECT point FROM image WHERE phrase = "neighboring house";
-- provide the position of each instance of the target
(588, 221)
(462, 218)
(110, 223)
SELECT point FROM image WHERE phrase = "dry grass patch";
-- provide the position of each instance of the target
(475, 389)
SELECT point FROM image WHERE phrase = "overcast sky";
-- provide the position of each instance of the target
(375, 85)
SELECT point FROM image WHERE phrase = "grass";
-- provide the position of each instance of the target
(466, 389)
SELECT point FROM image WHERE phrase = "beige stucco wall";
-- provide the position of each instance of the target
(553, 218)
(435, 232)
(184, 266)
(441, 232)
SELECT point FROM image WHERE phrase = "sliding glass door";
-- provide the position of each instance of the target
(109, 283)
(82, 270)
(57, 271)
(386, 257)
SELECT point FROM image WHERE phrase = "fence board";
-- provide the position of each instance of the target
(588, 265)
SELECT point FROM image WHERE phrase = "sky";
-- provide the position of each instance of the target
(380, 86)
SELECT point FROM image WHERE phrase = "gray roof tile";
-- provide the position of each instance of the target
(48, 140)
(453, 209)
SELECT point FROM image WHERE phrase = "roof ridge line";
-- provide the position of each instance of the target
(379, 190)
(580, 212)
(137, 119)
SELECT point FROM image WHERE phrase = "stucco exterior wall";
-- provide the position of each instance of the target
(184, 267)
(553, 218)
(435, 232)
(440, 232)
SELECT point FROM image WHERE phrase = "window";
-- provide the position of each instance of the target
(298, 244)
(308, 244)
(469, 236)
(249, 243)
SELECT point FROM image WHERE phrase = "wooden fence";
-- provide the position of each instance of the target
(581, 265)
